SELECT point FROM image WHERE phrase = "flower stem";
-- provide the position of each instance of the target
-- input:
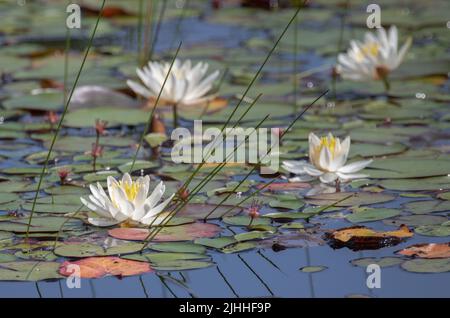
(387, 85)
(251, 222)
(338, 185)
(175, 115)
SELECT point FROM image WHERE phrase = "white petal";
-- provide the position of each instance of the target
(355, 166)
(328, 177)
(102, 222)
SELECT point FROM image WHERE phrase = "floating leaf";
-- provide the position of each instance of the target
(382, 262)
(253, 235)
(185, 232)
(416, 220)
(178, 247)
(360, 237)
(427, 265)
(218, 242)
(423, 207)
(357, 199)
(29, 271)
(371, 214)
(429, 250)
(433, 230)
(40, 224)
(313, 269)
(89, 249)
(238, 247)
(243, 220)
(200, 211)
(97, 267)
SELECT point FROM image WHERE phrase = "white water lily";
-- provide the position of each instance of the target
(127, 201)
(186, 84)
(328, 157)
(373, 59)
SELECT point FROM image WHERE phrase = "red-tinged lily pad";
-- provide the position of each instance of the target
(431, 250)
(363, 238)
(285, 186)
(200, 211)
(186, 232)
(97, 267)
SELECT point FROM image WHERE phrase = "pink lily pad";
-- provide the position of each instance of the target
(186, 232)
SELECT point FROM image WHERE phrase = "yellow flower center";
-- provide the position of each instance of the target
(370, 49)
(131, 190)
(329, 143)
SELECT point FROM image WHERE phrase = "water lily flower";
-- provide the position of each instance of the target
(126, 201)
(373, 59)
(186, 84)
(328, 157)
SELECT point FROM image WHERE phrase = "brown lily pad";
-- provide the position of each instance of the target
(97, 267)
(431, 250)
(364, 238)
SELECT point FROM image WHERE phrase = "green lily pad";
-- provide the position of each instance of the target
(433, 183)
(313, 269)
(402, 168)
(287, 215)
(372, 214)
(40, 224)
(424, 207)
(427, 265)
(4, 258)
(433, 230)
(8, 197)
(114, 116)
(243, 220)
(218, 242)
(253, 235)
(44, 101)
(178, 247)
(36, 255)
(416, 220)
(356, 199)
(382, 262)
(88, 249)
(29, 271)
(238, 247)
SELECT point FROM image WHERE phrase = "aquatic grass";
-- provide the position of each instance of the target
(180, 19)
(147, 124)
(66, 107)
(157, 29)
(140, 55)
(226, 123)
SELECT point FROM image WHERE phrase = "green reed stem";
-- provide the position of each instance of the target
(158, 28)
(58, 128)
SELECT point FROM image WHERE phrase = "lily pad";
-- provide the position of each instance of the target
(29, 271)
(313, 269)
(355, 199)
(186, 232)
(371, 214)
(89, 249)
(427, 265)
(382, 262)
(433, 230)
(97, 267)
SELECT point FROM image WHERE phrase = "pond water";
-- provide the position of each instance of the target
(406, 135)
